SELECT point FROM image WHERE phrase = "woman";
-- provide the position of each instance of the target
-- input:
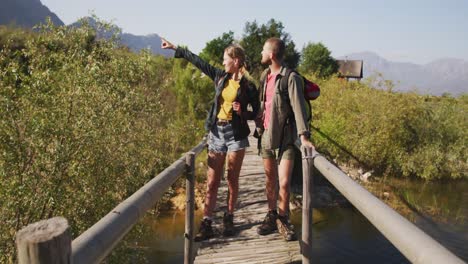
(227, 126)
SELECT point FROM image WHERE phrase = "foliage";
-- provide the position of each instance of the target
(395, 133)
(83, 125)
(214, 49)
(194, 91)
(254, 38)
(316, 59)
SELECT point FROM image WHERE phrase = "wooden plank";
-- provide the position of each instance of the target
(247, 246)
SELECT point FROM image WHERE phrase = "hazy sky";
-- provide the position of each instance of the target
(417, 31)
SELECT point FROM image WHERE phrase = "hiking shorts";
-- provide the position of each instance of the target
(288, 152)
(221, 139)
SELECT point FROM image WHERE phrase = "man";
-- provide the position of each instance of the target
(282, 119)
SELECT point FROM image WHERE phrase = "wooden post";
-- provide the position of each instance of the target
(190, 206)
(46, 241)
(307, 187)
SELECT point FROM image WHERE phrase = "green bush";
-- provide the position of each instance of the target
(84, 124)
(395, 133)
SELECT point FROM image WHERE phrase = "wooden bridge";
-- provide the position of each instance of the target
(49, 241)
(247, 245)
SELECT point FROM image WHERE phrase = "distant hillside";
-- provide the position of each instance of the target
(438, 77)
(151, 42)
(135, 42)
(28, 13)
(25, 13)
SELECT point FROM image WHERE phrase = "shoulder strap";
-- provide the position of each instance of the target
(283, 87)
(262, 84)
(284, 93)
(285, 80)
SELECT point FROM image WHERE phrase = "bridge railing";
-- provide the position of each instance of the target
(412, 242)
(49, 241)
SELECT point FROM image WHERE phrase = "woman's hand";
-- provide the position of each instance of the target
(167, 45)
(236, 107)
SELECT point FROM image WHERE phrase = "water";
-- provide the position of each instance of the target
(441, 211)
(166, 242)
(343, 235)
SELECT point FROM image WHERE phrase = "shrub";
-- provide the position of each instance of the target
(397, 133)
(84, 124)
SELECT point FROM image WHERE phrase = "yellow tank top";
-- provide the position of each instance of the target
(228, 96)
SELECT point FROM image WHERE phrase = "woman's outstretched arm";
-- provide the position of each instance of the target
(205, 67)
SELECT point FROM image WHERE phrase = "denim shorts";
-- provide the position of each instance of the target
(221, 140)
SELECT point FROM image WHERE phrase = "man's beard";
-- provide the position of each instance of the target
(266, 62)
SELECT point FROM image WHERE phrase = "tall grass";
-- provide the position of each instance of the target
(394, 133)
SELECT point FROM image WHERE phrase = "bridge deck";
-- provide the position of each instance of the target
(247, 246)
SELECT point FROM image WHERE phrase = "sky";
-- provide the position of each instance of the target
(416, 31)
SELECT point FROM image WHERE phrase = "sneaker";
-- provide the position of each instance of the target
(228, 222)
(268, 225)
(205, 232)
(285, 228)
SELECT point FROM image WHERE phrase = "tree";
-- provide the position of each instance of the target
(316, 59)
(255, 36)
(214, 49)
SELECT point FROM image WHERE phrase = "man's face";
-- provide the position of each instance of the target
(266, 54)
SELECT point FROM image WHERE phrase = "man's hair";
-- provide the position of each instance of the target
(277, 47)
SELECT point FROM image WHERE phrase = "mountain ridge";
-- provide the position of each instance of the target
(438, 77)
(152, 41)
(26, 13)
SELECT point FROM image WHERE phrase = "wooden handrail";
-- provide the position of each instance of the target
(97, 242)
(412, 242)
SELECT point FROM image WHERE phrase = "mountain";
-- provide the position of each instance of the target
(25, 13)
(436, 78)
(134, 42)
(151, 42)
(28, 13)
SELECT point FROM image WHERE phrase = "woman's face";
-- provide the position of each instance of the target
(230, 65)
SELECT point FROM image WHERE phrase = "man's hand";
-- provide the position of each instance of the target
(306, 142)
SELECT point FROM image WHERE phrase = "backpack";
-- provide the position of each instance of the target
(311, 91)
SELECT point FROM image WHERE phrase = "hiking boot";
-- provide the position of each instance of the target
(285, 228)
(228, 222)
(268, 225)
(205, 232)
